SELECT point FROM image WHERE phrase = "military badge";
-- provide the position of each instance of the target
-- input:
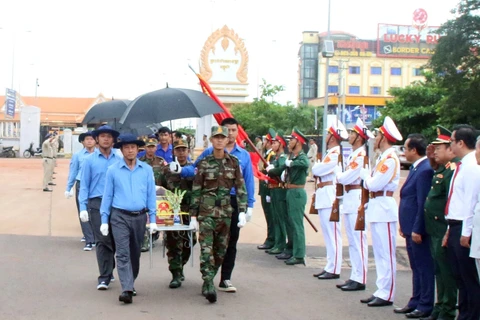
(440, 175)
(383, 169)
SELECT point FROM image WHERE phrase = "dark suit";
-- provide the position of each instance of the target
(411, 216)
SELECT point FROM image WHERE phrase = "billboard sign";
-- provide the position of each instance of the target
(10, 102)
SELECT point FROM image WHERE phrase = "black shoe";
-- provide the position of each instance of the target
(415, 314)
(368, 300)
(292, 261)
(329, 276)
(379, 302)
(353, 286)
(126, 297)
(208, 290)
(264, 247)
(134, 293)
(274, 251)
(52, 184)
(340, 285)
(176, 281)
(283, 256)
(47, 190)
(316, 275)
(431, 317)
(403, 310)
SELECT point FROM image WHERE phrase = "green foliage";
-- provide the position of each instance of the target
(186, 130)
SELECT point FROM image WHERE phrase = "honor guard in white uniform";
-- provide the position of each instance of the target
(382, 212)
(350, 178)
(324, 173)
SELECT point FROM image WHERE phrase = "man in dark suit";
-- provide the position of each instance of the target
(412, 227)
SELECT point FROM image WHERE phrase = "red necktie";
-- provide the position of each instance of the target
(451, 188)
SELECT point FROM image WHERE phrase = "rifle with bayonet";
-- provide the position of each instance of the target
(360, 223)
(335, 214)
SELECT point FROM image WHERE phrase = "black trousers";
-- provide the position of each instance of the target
(229, 260)
(466, 276)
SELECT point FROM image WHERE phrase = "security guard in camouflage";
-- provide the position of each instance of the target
(157, 164)
(265, 196)
(216, 175)
(295, 177)
(177, 242)
(282, 224)
(436, 225)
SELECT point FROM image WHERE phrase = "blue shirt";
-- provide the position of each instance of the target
(76, 167)
(245, 164)
(128, 189)
(167, 155)
(92, 179)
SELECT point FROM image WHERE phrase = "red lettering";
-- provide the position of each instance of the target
(432, 39)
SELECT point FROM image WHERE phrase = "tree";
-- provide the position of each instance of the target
(186, 130)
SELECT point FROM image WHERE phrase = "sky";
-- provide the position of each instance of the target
(123, 49)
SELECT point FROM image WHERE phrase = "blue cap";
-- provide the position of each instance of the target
(82, 136)
(105, 129)
(128, 138)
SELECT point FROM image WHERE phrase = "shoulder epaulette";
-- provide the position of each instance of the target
(452, 166)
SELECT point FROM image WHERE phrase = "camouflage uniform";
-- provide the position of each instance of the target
(211, 204)
(177, 242)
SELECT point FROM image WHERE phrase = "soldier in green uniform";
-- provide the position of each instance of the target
(177, 242)
(283, 228)
(216, 175)
(295, 177)
(443, 161)
(157, 163)
(265, 195)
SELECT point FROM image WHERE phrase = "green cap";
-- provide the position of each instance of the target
(271, 134)
(151, 142)
(443, 136)
(180, 143)
(299, 136)
(219, 130)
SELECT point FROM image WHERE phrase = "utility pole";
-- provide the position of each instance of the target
(325, 105)
(341, 89)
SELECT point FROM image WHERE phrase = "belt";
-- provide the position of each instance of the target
(323, 184)
(216, 202)
(377, 194)
(275, 185)
(47, 158)
(293, 186)
(452, 222)
(132, 213)
(352, 187)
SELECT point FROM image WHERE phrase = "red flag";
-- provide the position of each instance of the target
(242, 135)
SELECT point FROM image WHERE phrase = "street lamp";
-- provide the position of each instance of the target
(325, 105)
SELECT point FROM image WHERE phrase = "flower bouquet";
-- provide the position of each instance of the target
(175, 199)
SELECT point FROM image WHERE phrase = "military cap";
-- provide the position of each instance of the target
(271, 134)
(296, 134)
(180, 143)
(280, 138)
(337, 129)
(219, 130)
(82, 136)
(362, 130)
(151, 141)
(105, 129)
(443, 136)
(390, 130)
(128, 138)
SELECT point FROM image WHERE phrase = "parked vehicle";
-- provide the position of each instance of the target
(7, 152)
(404, 163)
(32, 153)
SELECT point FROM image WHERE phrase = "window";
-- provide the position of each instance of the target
(354, 89)
(375, 90)
(9, 129)
(309, 69)
(417, 72)
(332, 69)
(332, 89)
(354, 70)
(396, 71)
(309, 51)
(376, 70)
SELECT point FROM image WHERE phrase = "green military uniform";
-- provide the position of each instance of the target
(157, 164)
(295, 178)
(436, 226)
(282, 225)
(177, 242)
(264, 192)
(211, 204)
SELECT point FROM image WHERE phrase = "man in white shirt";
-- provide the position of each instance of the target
(312, 156)
(462, 198)
(475, 245)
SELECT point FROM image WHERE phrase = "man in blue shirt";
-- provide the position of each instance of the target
(164, 147)
(129, 194)
(94, 170)
(247, 171)
(74, 176)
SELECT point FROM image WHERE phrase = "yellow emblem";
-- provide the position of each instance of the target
(219, 130)
(453, 166)
(438, 131)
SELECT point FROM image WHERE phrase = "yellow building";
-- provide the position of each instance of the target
(361, 72)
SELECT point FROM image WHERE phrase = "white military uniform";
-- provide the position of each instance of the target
(357, 240)
(382, 213)
(475, 244)
(324, 198)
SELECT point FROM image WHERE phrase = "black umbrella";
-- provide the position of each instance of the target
(108, 111)
(169, 104)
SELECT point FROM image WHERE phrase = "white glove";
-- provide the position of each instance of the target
(153, 227)
(67, 194)
(270, 167)
(193, 223)
(104, 229)
(249, 214)
(364, 173)
(242, 220)
(288, 163)
(282, 176)
(175, 167)
(267, 198)
(84, 216)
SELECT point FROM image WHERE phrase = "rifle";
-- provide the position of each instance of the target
(335, 214)
(360, 223)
